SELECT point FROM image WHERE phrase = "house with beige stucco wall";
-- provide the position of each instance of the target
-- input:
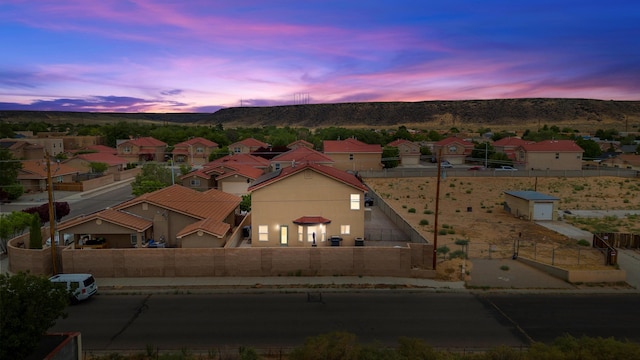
(194, 151)
(141, 149)
(305, 205)
(550, 155)
(453, 150)
(247, 146)
(353, 155)
(408, 151)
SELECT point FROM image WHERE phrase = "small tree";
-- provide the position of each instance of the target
(29, 306)
(245, 204)
(390, 157)
(444, 250)
(35, 235)
(98, 167)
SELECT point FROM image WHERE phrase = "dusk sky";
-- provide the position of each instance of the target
(201, 55)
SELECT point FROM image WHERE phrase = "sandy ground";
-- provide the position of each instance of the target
(470, 210)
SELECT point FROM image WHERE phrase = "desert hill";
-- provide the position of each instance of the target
(582, 114)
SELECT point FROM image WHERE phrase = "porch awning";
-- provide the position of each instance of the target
(311, 220)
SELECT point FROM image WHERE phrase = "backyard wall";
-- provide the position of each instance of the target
(579, 276)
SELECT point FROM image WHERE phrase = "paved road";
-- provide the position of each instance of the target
(272, 320)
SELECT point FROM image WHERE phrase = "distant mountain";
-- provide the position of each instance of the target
(434, 114)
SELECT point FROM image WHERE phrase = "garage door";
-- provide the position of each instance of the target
(543, 211)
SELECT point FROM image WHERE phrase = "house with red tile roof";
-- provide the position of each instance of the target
(246, 146)
(33, 175)
(194, 151)
(353, 155)
(306, 205)
(82, 162)
(142, 149)
(174, 216)
(241, 159)
(550, 155)
(454, 150)
(22, 150)
(300, 143)
(230, 177)
(408, 150)
(509, 145)
(300, 154)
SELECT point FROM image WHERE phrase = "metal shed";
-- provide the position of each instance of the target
(531, 205)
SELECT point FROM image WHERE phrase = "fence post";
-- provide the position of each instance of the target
(553, 256)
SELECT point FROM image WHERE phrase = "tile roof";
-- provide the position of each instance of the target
(311, 220)
(350, 145)
(38, 169)
(553, 146)
(145, 142)
(213, 203)
(209, 226)
(400, 142)
(242, 170)
(124, 219)
(250, 142)
(104, 157)
(300, 142)
(336, 174)
(195, 141)
(242, 159)
(451, 140)
(303, 154)
(510, 141)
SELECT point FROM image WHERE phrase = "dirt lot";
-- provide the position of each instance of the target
(470, 210)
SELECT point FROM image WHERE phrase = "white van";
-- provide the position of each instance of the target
(80, 286)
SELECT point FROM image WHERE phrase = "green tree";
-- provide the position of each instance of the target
(245, 204)
(12, 225)
(9, 168)
(152, 177)
(98, 167)
(35, 235)
(390, 157)
(591, 148)
(499, 159)
(29, 306)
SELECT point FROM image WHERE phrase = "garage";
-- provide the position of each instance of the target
(531, 205)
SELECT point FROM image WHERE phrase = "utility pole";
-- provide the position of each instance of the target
(435, 222)
(52, 216)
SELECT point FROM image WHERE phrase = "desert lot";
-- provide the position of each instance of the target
(471, 210)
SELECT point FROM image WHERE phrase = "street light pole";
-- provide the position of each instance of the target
(435, 222)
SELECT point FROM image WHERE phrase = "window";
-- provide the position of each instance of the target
(126, 149)
(199, 150)
(284, 235)
(557, 155)
(350, 156)
(355, 201)
(345, 229)
(236, 150)
(263, 233)
(300, 232)
(276, 166)
(134, 238)
(195, 182)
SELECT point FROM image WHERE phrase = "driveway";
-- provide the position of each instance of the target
(566, 229)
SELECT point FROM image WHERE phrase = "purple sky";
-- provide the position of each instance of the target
(200, 55)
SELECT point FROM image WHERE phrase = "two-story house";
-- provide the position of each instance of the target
(307, 205)
(353, 155)
(453, 149)
(300, 155)
(550, 155)
(194, 151)
(408, 150)
(247, 146)
(142, 149)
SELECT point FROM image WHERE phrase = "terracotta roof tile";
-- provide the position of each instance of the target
(451, 140)
(127, 220)
(553, 146)
(209, 226)
(336, 174)
(303, 154)
(195, 141)
(250, 142)
(350, 146)
(145, 142)
(243, 159)
(38, 169)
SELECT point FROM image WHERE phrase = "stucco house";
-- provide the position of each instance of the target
(454, 150)
(531, 205)
(408, 150)
(353, 155)
(173, 216)
(307, 205)
(82, 162)
(300, 155)
(509, 146)
(550, 155)
(194, 151)
(232, 174)
(142, 149)
(22, 150)
(247, 146)
(33, 175)
(300, 143)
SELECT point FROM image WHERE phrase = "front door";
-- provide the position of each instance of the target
(284, 235)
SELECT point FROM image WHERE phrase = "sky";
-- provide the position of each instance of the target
(171, 56)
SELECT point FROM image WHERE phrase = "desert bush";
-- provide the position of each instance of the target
(424, 222)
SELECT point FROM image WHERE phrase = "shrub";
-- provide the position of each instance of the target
(412, 210)
(583, 242)
(504, 268)
(424, 222)
(458, 254)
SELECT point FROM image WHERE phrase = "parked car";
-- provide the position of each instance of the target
(476, 168)
(506, 168)
(80, 286)
(445, 164)
(368, 201)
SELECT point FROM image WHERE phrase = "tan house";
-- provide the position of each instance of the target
(23, 150)
(550, 155)
(353, 155)
(300, 143)
(33, 175)
(300, 154)
(80, 142)
(531, 205)
(509, 146)
(173, 217)
(247, 146)
(408, 150)
(454, 150)
(194, 151)
(307, 205)
(231, 178)
(83, 162)
(141, 149)
(52, 146)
